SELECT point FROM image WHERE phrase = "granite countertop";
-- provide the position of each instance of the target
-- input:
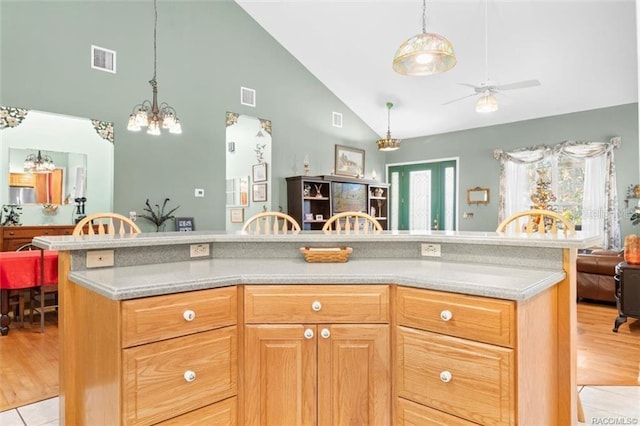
(512, 283)
(90, 242)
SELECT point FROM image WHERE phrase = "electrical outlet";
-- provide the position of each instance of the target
(99, 258)
(430, 250)
(132, 216)
(199, 250)
(199, 192)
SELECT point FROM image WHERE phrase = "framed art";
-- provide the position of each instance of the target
(185, 224)
(259, 192)
(236, 215)
(349, 161)
(260, 172)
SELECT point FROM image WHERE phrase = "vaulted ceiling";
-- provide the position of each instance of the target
(583, 52)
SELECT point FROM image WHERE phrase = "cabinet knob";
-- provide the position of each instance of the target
(189, 315)
(308, 333)
(189, 376)
(325, 333)
(446, 315)
(316, 306)
(446, 376)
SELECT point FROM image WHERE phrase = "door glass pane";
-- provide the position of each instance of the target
(449, 198)
(395, 200)
(420, 200)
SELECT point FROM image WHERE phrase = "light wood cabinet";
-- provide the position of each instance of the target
(22, 179)
(316, 372)
(156, 358)
(457, 359)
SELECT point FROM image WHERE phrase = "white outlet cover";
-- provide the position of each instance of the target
(199, 192)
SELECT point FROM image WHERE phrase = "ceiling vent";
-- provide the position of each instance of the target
(337, 119)
(103, 59)
(247, 96)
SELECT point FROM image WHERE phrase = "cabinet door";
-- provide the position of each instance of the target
(353, 375)
(280, 375)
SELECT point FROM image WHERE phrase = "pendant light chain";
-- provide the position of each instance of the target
(389, 106)
(424, 16)
(486, 41)
(155, 40)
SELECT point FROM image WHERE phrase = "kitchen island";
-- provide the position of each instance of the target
(253, 334)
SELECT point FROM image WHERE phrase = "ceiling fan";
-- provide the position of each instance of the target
(488, 88)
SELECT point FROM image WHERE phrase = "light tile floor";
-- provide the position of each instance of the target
(603, 405)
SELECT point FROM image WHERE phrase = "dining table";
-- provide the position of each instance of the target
(23, 270)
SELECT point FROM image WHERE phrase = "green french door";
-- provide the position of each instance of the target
(423, 196)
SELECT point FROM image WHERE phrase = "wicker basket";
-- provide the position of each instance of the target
(326, 254)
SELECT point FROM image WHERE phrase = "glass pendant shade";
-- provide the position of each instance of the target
(424, 54)
(487, 103)
(389, 143)
(38, 163)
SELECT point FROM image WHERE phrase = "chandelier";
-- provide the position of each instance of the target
(425, 53)
(389, 143)
(38, 164)
(149, 114)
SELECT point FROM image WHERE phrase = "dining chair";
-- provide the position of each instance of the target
(105, 224)
(536, 221)
(352, 222)
(17, 297)
(271, 223)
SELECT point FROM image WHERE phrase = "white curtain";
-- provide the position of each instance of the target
(600, 204)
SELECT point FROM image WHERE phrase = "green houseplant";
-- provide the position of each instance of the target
(158, 216)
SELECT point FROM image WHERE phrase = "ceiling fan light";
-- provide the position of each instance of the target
(487, 103)
(424, 54)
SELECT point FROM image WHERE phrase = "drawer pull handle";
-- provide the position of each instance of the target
(308, 333)
(316, 306)
(189, 315)
(446, 376)
(446, 315)
(325, 333)
(189, 376)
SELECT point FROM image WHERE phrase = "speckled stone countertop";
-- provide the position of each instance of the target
(148, 280)
(506, 266)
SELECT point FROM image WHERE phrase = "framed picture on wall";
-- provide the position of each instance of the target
(185, 224)
(236, 215)
(259, 192)
(349, 161)
(260, 172)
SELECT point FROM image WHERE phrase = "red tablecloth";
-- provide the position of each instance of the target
(21, 269)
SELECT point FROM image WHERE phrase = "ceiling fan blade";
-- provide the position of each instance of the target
(459, 99)
(470, 85)
(519, 85)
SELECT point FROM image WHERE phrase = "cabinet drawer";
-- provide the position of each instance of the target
(155, 384)
(481, 385)
(163, 317)
(472, 317)
(316, 303)
(31, 232)
(412, 414)
(223, 413)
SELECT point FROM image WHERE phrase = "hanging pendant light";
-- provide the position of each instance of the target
(149, 114)
(425, 53)
(389, 143)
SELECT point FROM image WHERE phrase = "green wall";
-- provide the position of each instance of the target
(474, 148)
(207, 50)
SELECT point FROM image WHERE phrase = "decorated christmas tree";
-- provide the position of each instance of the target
(543, 198)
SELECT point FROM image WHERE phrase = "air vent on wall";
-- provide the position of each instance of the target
(247, 96)
(337, 119)
(103, 59)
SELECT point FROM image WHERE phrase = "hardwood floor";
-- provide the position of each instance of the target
(29, 359)
(605, 357)
(29, 363)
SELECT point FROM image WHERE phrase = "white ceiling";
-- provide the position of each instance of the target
(583, 52)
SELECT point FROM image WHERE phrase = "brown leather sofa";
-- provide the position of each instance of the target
(595, 273)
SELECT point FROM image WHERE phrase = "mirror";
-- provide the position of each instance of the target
(248, 179)
(478, 195)
(59, 186)
(81, 149)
